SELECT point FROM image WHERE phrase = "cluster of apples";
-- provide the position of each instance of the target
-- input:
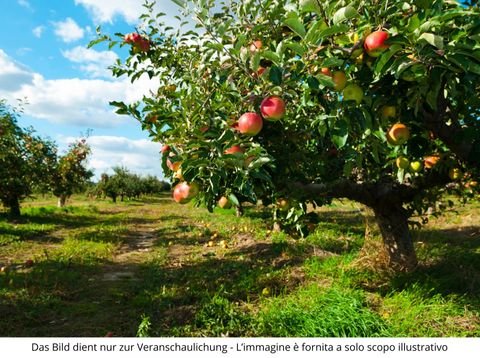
(374, 45)
(272, 108)
(138, 42)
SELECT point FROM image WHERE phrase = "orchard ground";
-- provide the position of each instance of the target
(155, 268)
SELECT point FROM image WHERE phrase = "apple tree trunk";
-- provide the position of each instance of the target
(62, 200)
(397, 238)
(13, 205)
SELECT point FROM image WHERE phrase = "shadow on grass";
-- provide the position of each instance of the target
(449, 264)
(61, 297)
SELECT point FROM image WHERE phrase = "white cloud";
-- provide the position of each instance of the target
(139, 156)
(13, 75)
(106, 10)
(93, 62)
(72, 101)
(25, 4)
(68, 30)
(38, 31)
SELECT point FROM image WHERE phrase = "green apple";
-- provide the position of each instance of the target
(402, 162)
(416, 166)
(455, 173)
(353, 92)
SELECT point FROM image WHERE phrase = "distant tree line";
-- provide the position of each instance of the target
(123, 184)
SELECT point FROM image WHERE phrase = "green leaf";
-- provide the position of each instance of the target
(276, 75)
(180, 3)
(259, 163)
(344, 14)
(296, 47)
(333, 30)
(313, 34)
(325, 80)
(272, 56)
(233, 198)
(214, 46)
(385, 57)
(296, 25)
(432, 39)
(340, 134)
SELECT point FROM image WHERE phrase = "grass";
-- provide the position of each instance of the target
(154, 268)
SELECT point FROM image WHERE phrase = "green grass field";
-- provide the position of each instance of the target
(155, 268)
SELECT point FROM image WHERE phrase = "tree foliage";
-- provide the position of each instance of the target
(26, 160)
(332, 142)
(71, 173)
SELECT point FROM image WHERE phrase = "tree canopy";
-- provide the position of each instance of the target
(381, 104)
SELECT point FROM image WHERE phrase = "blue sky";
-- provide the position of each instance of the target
(43, 58)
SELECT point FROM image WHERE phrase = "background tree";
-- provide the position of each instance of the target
(26, 160)
(71, 174)
(381, 105)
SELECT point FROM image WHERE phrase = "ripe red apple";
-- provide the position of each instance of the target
(184, 192)
(375, 43)
(250, 123)
(326, 71)
(340, 80)
(256, 46)
(398, 134)
(224, 203)
(431, 160)
(138, 42)
(353, 92)
(234, 150)
(272, 108)
(173, 166)
(165, 149)
(260, 71)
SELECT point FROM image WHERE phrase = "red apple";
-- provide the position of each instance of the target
(260, 71)
(224, 203)
(256, 46)
(375, 43)
(326, 71)
(250, 123)
(272, 108)
(173, 166)
(398, 134)
(184, 192)
(431, 160)
(234, 150)
(138, 42)
(165, 149)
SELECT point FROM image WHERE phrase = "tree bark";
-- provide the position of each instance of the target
(62, 200)
(14, 207)
(397, 239)
(239, 210)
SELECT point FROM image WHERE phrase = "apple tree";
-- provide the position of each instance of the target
(297, 102)
(71, 174)
(26, 160)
